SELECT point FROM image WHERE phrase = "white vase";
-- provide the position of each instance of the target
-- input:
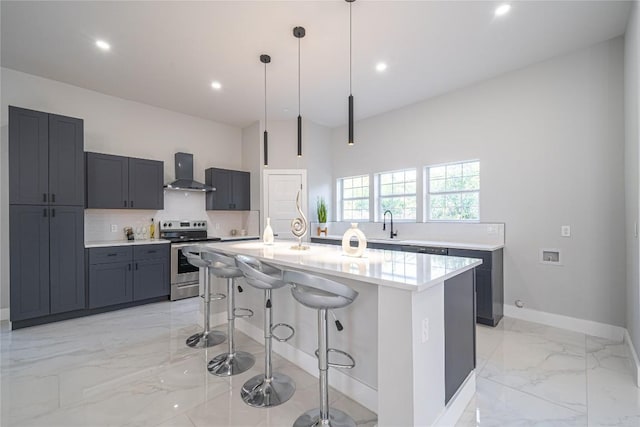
(354, 231)
(267, 236)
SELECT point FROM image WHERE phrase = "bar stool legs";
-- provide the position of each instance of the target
(324, 416)
(233, 362)
(268, 389)
(207, 338)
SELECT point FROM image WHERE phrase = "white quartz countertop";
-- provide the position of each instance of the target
(403, 270)
(432, 243)
(107, 243)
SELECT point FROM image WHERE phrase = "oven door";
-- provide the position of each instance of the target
(181, 270)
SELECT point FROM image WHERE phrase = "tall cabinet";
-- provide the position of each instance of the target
(46, 216)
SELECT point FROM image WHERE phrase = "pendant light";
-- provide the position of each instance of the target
(350, 140)
(265, 59)
(299, 33)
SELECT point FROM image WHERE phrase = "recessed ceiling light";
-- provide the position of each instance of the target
(503, 9)
(381, 66)
(216, 85)
(103, 45)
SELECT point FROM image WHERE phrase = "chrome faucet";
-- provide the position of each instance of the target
(392, 234)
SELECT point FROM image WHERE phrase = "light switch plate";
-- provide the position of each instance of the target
(114, 228)
(565, 231)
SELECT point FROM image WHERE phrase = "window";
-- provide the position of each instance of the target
(454, 192)
(354, 198)
(397, 193)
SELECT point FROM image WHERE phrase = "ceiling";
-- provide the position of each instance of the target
(167, 53)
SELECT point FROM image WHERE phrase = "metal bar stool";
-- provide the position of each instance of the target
(268, 389)
(233, 361)
(323, 295)
(206, 338)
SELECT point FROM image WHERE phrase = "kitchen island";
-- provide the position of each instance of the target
(411, 330)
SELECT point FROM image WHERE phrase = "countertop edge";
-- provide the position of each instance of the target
(431, 243)
(105, 243)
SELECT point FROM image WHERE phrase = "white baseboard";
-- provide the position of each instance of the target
(4, 314)
(361, 393)
(458, 403)
(635, 362)
(589, 327)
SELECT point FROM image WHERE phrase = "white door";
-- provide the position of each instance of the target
(280, 190)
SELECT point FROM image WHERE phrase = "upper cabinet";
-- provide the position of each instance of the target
(46, 152)
(117, 182)
(231, 190)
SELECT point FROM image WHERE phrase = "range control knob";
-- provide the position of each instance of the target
(164, 225)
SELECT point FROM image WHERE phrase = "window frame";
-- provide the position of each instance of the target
(378, 197)
(427, 192)
(340, 198)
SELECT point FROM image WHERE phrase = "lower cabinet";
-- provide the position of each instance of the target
(47, 262)
(459, 331)
(121, 274)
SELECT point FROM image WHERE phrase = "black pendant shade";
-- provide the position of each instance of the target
(265, 59)
(350, 140)
(299, 32)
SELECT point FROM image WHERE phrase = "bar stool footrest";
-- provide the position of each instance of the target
(339, 365)
(284, 325)
(242, 312)
(214, 297)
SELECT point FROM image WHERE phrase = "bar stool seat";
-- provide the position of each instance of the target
(322, 295)
(232, 362)
(206, 338)
(271, 388)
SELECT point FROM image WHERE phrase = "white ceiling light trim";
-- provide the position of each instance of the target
(381, 67)
(103, 45)
(216, 85)
(502, 10)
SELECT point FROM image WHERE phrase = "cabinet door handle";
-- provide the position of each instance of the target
(53, 212)
(44, 197)
(132, 203)
(152, 252)
(112, 254)
(129, 265)
(125, 203)
(136, 265)
(53, 198)
(44, 212)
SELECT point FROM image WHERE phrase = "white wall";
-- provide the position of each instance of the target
(115, 126)
(283, 143)
(632, 142)
(550, 141)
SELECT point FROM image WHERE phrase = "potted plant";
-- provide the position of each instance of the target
(321, 210)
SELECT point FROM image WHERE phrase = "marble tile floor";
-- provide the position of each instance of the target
(534, 375)
(131, 368)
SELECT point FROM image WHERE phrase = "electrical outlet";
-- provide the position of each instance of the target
(565, 231)
(425, 329)
(114, 228)
(217, 226)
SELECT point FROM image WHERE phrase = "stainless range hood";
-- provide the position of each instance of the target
(184, 175)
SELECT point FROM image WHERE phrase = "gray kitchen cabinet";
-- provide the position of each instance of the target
(29, 261)
(151, 275)
(110, 283)
(232, 189)
(459, 331)
(118, 182)
(121, 274)
(107, 181)
(47, 261)
(46, 152)
(489, 284)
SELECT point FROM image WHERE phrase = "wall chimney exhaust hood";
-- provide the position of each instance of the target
(184, 175)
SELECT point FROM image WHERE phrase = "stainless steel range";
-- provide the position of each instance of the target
(184, 276)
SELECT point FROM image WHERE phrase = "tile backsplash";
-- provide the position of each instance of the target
(179, 205)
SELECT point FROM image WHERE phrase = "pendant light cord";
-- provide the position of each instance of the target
(350, 51)
(265, 96)
(299, 77)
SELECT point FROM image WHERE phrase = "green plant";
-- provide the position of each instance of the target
(321, 207)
